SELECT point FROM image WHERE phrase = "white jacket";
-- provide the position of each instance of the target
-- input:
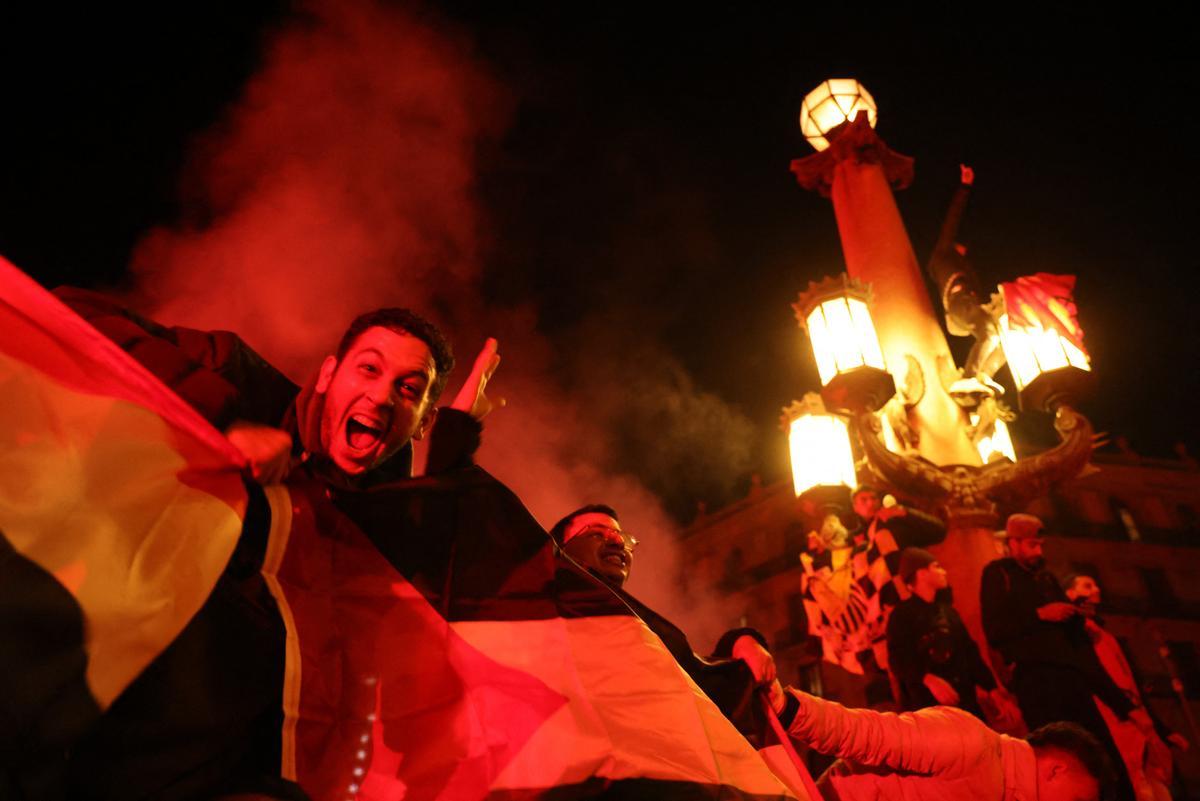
(931, 754)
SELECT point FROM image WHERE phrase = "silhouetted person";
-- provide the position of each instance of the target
(1033, 626)
(932, 655)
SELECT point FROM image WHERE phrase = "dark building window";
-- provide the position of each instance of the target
(733, 576)
(1188, 520)
(1127, 521)
(794, 539)
(1158, 590)
(1187, 666)
(797, 618)
(797, 623)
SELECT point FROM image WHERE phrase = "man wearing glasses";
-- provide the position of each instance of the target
(591, 538)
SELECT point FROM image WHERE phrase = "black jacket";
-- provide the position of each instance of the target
(928, 637)
(1009, 599)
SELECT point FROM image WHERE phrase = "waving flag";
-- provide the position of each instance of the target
(1044, 300)
(438, 647)
(119, 507)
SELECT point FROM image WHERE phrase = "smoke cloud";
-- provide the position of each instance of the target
(344, 179)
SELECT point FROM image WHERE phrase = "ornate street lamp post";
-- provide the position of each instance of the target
(930, 431)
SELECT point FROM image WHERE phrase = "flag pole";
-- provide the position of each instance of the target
(781, 734)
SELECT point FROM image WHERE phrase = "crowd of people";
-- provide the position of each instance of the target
(351, 429)
(1052, 662)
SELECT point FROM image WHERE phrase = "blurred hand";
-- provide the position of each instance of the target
(1057, 611)
(268, 451)
(1000, 708)
(1177, 740)
(757, 658)
(472, 398)
(776, 695)
(1139, 717)
(942, 691)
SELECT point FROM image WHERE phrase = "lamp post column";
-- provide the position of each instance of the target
(858, 172)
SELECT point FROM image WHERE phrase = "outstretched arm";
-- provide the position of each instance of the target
(940, 740)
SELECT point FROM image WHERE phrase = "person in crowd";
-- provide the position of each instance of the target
(905, 527)
(204, 717)
(944, 753)
(932, 655)
(849, 587)
(1146, 755)
(1041, 637)
(592, 538)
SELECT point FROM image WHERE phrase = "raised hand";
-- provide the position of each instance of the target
(268, 451)
(941, 690)
(1057, 611)
(472, 397)
(757, 658)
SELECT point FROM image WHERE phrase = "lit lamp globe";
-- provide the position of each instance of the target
(834, 103)
(835, 314)
(822, 458)
(1042, 340)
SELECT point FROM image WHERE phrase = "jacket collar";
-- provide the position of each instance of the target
(1020, 769)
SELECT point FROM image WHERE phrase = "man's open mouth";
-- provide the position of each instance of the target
(363, 432)
(619, 559)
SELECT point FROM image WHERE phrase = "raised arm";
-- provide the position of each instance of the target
(458, 427)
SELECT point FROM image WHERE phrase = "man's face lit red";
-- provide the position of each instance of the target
(596, 542)
(933, 577)
(1084, 588)
(377, 398)
(866, 504)
(1027, 551)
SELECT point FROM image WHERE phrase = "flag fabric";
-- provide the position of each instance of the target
(1044, 300)
(438, 649)
(119, 508)
(847, 597)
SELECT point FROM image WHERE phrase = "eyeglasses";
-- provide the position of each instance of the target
(627, 540)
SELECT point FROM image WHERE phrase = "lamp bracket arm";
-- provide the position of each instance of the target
(1016, 483)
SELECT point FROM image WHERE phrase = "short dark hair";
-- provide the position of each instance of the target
(560, 528)
(1068, 581)
(405, 321)
(861, 488)
(1078, 742)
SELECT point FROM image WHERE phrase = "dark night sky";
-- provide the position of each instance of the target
(643, 180)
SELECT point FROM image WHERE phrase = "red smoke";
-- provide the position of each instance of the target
(343, 180)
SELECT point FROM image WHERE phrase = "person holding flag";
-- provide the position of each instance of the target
(431, 645)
